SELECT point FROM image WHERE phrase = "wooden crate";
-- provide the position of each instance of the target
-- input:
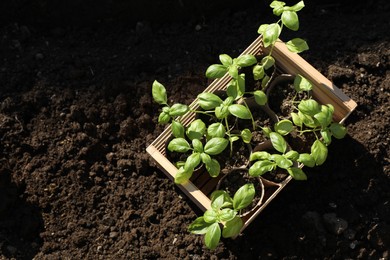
(200, 186)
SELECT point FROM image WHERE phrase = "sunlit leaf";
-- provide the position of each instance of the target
(290, 20)
(226, 60)
(178, 145)
(271, 34)
(244, 196)
(215, 145)
(177, 129)
(213, 235)
(208, 101)
(297, 174)
(233, 227)
(240, 111)
(216, 71)
(319, 152)
(338, 131)
(278, 142)
(198, 226)
(159, 93)
(260, 97)
(284, 127)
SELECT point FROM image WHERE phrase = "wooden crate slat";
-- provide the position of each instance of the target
(196, 195)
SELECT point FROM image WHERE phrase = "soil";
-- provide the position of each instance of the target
(76, 115)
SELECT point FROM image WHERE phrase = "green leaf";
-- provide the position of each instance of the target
(198, 146)
(210, 216)
(266, 131)
(232, 228)
(246, 135)
(198, 226)
(319, 152)
(218, 199)
(196, 129)
(179, 145)
(226, 60)
(177, 129)
(271, 34)
(159, 93)
(325, 116)
(278, 142)
(226, 215)
(265, 81)
(216, 130)
(296, 119)
(292, 155)
(213, 168)
(302, 84)
(261, 167)
(277, 7)
(290, 20)
(338, 130)
(260, 97)
(326, 136)
(216, 71)
(213, 235)
(205, 158)
(261, 155)
(164, 118)
(183, 175)
(192, 162)
(284, 127)
(234, 138)
(309, 107)
(258, 72)
(241, 85)
(307, 160)
(297, 174)
(215, 145)
(228, 101)
(277, 4)
(233, 71)
(262, 28)
(209, 101)
(297, 45)
(223, 202)
(298, 6)
(232, 89)
(244, 196)
(246, 60)
(281, 161)
(178, 109)
(222, 111)
(268, 62)
(240, 111)
(307, 120)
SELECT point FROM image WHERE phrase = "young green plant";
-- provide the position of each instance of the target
(224, 213)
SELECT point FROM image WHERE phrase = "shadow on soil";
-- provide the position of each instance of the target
(339, 187)
(20, 221)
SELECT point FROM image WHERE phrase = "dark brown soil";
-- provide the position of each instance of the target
(76, 115)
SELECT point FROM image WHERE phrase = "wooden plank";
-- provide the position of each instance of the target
(197, 196)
